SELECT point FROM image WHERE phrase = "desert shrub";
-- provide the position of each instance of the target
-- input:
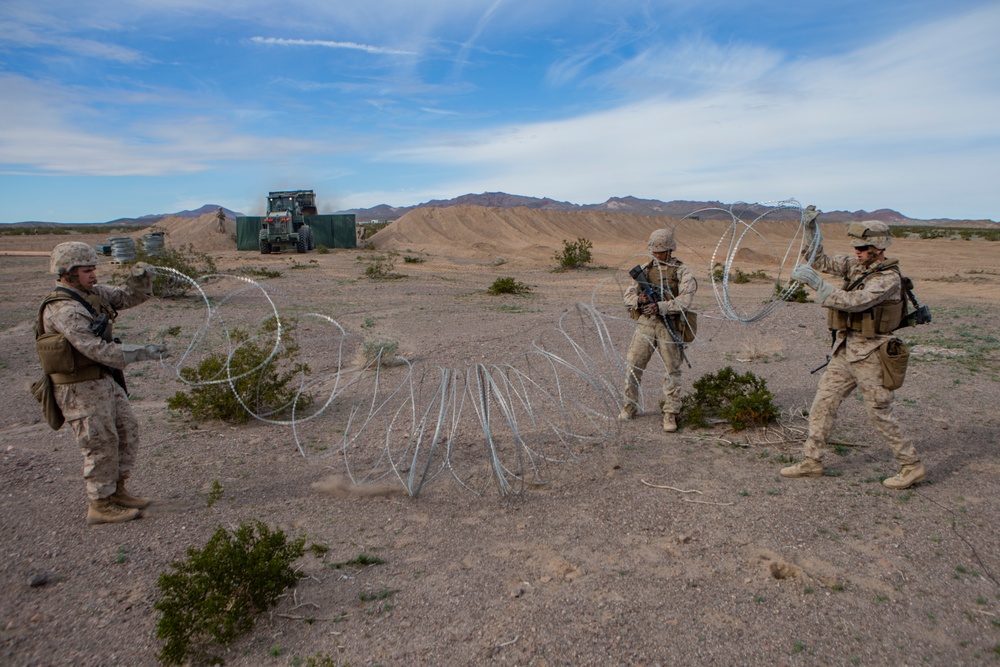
(507, 285)
(574, 254)
(318, 660)
(192, 263)
(379, 349)
(370, 229)
(322, 249)
(382, 267)
(737, 275)
(269, 389)
(411, 259)
(798, 294)
(740, 276)
(217, 593)
(258, 271)
(63, 229)
(741, 400)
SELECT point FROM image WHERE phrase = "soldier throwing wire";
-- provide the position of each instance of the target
(674, 286)
(89, 390)
(863, 313)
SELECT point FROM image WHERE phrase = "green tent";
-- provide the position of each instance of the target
(332, 231)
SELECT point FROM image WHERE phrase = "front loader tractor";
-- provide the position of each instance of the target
(284, 227)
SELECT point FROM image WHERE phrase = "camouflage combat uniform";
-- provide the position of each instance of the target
(854, 362)
(678, 285)
(98, 410)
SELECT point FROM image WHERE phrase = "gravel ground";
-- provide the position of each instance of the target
(651, 549)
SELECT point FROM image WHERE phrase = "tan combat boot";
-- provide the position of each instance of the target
(907, 476)
(669, 422)
(126, 499)
(807, 467)
(104, 510)
(627, 413)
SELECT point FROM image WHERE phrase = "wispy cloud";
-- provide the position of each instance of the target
(845, 125)
(51, 37)
(44, 134)
(367, 48)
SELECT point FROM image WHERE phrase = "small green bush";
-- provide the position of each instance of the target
(740, 276)
(412, 259)
(63, 229)
(258, 271)
(370, 229)
(217, 593)
(737, 275)
(322, 250)
(383, 349)
(269, 390)
(796, 295)
(382, 267)
(507, 285)
(575, 254)
(741, 400)
(186, 260)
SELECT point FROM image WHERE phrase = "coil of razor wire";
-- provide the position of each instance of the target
(500, 425)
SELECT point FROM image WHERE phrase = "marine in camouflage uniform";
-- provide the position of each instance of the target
(93, 403)
(862, 315)
(677, 284)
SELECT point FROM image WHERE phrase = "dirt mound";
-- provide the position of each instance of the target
(482, 233)
(477, 232)
(752, 256)
(201, 232)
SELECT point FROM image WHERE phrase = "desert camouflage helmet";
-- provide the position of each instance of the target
(870, 233)
(65, 256)
(662, 240)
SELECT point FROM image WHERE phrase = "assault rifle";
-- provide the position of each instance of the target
(653, 294)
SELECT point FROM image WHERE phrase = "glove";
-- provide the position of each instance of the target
(809, 216)
(141, 269)
(809, 276)
(651, 308)
(134, 353)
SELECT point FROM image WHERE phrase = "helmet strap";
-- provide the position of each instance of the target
(72, 278)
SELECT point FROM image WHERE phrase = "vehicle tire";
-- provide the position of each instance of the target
(265, 248)
(300, 245)
(308, 232)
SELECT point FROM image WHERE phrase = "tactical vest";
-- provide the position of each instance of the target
(664, 275)
(60, 360)
(883, 318)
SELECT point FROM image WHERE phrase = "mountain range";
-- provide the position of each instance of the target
(706, 210)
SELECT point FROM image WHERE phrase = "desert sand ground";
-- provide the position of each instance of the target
(649, 549)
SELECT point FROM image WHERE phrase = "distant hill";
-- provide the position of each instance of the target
(631, 205)
(197, 213)
(143, 221)
(636, 206)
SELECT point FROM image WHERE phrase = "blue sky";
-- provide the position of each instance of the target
(120, 109)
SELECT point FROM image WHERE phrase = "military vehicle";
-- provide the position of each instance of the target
(284, 227)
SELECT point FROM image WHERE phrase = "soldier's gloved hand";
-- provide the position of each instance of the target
(651, 308)
(809, 222)
(809, 276)
(134, 353)
(141, 269)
